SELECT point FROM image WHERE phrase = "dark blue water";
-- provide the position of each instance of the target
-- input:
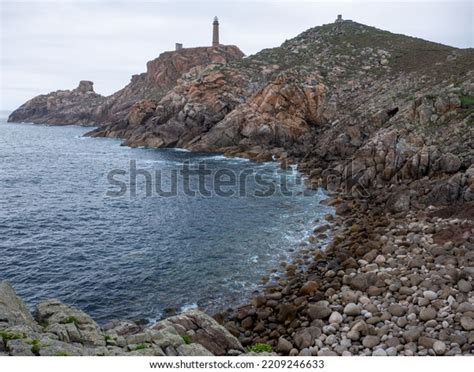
(62, 236)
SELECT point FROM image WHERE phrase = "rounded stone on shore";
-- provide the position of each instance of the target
(370, 341)
(439, 347)
(335, 317)
(428, 314)
(391, 351)
(305, 352)
(353, 335)
(379, 352)
(294, 352)
(464, 286)
(467, 322)
(396, 310)
(430, 295)
(284, 346)
(352, 309)
(319, 310)
(309, 288)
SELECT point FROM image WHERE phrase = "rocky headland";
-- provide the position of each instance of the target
(385, 123)
(82, 106)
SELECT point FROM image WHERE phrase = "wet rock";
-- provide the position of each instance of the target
(319, 310)
(309, 288)
(287, 312)
(247, 323)
(259, 301)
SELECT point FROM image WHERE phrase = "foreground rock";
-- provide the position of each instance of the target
(13, 311)
(63, 330)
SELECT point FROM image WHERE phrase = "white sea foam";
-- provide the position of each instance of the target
(188, 307)
(176, 149)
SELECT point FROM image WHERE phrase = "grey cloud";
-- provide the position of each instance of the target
(50, 45)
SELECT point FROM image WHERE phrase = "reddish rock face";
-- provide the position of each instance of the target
(169, 66)
(84, 107)
(278, 115)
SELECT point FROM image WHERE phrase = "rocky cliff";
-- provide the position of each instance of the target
(80, 106)
(385, 123)
(373, 107)
(83, 106)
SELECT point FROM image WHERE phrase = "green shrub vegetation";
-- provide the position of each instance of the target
(186, 339)
(35, 347)
(11, 336)
(260, 348)
(467, 102)
(71, 319)
(140, 347)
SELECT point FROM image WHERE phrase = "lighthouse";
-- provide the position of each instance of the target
(215, 33)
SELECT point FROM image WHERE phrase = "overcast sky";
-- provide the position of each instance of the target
(51, 45)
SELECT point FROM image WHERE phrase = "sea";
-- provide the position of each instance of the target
(136, 233)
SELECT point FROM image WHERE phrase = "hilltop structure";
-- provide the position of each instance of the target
(215, 33)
